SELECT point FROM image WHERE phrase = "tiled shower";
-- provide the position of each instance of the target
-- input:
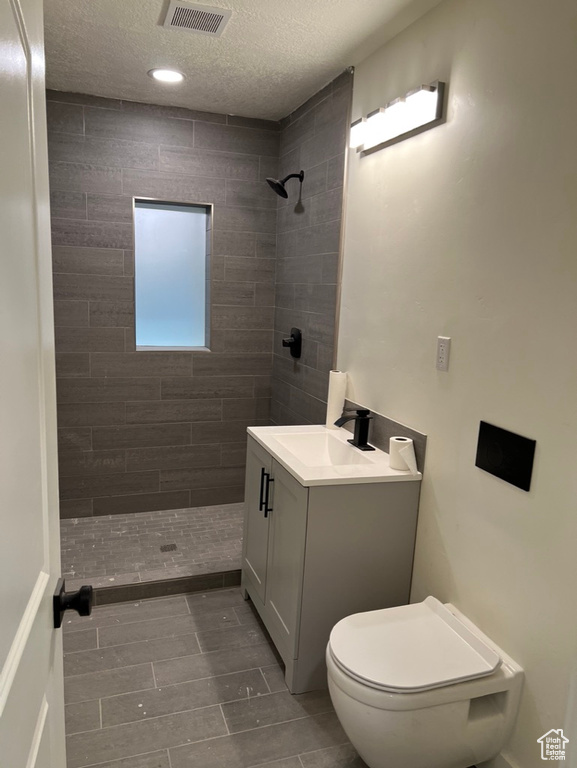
(152, 444)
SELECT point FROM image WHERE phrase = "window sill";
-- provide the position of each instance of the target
(172, 349)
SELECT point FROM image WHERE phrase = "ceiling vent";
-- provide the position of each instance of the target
(197, 18)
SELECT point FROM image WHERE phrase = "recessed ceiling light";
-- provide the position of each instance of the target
(166, 75)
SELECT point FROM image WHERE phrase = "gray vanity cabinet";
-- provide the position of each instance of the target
(273, 544)
(286, 554)
(256, 523)
(321, 553)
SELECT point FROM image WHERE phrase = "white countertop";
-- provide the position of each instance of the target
(315, 455)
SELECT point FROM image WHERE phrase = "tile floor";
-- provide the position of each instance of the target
(189, 682)
(115, 550)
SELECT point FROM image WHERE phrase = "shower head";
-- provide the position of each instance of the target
(279, 187)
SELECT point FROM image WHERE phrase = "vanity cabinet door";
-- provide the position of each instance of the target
(286, 549)
(256, 521)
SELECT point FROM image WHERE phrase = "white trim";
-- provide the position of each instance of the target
(18, 646)
(38, 733)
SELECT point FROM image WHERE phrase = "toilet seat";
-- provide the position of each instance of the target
(410, 648)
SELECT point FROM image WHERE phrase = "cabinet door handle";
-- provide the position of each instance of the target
(260, 496)
(269, 480)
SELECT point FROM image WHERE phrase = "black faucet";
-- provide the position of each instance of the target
(362, 423)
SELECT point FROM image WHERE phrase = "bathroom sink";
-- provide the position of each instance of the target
(315, 455)
(322, 450)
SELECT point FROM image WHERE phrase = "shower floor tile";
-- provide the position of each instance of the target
(115, 550)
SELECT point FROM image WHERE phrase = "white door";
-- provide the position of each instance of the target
(31, 698)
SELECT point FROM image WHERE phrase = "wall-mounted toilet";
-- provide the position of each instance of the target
(420, 686)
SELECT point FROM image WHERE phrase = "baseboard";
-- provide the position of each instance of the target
(497, 762)
(142, 590)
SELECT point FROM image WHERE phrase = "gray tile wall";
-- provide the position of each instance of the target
(313, 139)
(141, 431)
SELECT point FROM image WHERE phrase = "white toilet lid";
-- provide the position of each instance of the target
(410, 648)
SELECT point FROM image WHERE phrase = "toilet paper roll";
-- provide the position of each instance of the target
(402, 454)
(336, 397)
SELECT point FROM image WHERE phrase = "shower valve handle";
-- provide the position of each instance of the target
(294, 342)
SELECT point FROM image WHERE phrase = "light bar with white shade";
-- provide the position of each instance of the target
(417, 111)
(374, 128)
(357, 132)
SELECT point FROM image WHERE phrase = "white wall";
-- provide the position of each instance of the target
(470, 231)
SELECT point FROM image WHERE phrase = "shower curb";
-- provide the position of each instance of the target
(163, 588)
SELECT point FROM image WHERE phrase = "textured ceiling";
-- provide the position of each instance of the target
(272, 56)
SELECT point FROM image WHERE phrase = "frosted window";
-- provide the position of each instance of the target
(170, 274)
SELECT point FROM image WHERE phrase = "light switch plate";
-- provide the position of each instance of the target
(443, 352)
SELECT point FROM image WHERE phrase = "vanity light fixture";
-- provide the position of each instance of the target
(406, 116)
(357, 133)
(166, 75)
